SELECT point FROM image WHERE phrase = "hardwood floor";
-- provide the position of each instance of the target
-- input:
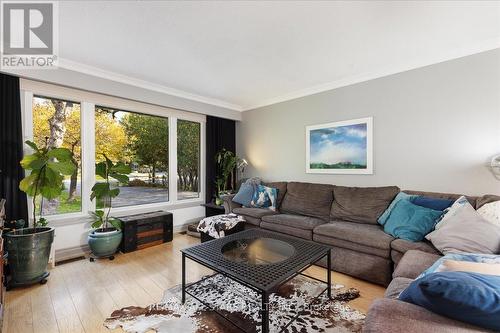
(80, 295)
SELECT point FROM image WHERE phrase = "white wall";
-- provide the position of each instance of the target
(435, 128)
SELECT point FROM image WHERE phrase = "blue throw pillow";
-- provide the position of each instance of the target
(411, 222)
(244, 195)
(265, 197)
(401, 196)
(471, 257)
(432, 203)
(470, 297)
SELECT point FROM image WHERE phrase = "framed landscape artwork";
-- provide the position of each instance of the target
(343, 147)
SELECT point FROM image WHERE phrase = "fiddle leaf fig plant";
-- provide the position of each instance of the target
(47, 166)
(105, 192)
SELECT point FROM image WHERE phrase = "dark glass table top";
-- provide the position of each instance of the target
(257, 251)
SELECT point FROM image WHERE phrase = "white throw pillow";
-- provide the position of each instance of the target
(491, 212)
(466, 231)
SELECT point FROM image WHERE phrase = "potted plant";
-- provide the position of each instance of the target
(29, 248)
(226, 162)
(106, 235)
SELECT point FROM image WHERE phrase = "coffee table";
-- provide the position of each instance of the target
(260, 260)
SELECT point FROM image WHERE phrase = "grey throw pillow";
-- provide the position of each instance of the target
(466, 231)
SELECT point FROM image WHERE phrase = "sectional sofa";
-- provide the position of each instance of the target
(344, 218)
(388, 314)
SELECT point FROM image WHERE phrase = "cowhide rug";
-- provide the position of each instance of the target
(242, 305)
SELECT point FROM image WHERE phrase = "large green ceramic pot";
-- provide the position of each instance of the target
(28, 254)
(104, 242)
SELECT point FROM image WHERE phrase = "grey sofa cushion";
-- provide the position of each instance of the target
(364, 234)
(393, 316)
(481, 201)
(254, 212)
(281, 187)
(402, 245)
(364, 266)
(255, 221)
(361, 204)
(296, 221)
(396, 286)
(308, 199)
(413, 263)
(284, 229)
(353, 246)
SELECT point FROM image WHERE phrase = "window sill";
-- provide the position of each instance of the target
(79, 218)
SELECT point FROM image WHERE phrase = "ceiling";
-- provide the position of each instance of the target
(242, 55)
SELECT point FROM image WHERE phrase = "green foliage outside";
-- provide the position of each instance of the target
(147, 140)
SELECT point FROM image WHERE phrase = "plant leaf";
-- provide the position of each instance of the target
(114, 192)
(50, 192)
(121, 167)
(28, 183)
(33, 162)
(115, 223)
(100, 169)
(32, 145)
(65, 167)
(99, 191)
(97, 224)
(62, 154)
(119, 177)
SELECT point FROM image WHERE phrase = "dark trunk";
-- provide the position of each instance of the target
(74, 176)
(72, 186)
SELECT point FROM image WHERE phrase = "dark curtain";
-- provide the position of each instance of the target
(11, 149)
(221, 133)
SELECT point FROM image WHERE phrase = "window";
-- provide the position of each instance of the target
(142, 142)
(163, 146)
(188, 160)
(56, 123)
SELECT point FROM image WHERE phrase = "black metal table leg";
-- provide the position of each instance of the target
(329, 273)
(183, 278)
(265, 312)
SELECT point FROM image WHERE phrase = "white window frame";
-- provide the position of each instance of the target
(88, 101)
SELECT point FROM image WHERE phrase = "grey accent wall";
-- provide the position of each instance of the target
(435, 128)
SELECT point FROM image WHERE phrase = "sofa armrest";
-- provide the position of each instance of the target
(229, 205)
(413, 263)
(394, 316)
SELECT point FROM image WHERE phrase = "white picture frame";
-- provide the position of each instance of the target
(342, 147)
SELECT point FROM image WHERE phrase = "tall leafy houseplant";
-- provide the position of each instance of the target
(226, 162)
(106, 236)
(47, 166)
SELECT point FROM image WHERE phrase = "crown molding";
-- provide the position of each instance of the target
(409, 64)
(482, 46)
(113, 76)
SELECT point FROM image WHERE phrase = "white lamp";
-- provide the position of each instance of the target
(495, 166)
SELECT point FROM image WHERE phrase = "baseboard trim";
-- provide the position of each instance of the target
(71, 253)
(83, 250)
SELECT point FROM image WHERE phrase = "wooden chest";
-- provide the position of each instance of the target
(144, 230)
